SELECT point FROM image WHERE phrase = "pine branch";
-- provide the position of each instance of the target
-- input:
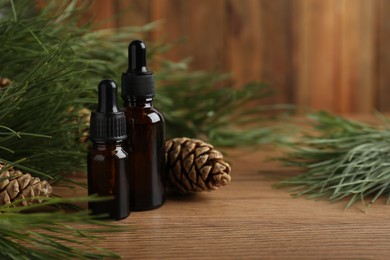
(51, 235)
(207, 106)
(53, 65)
(341, 159)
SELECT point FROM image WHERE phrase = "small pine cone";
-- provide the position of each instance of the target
(84, 115)
(193, 165)
(4, 82)
(14, 185)
(83, 118)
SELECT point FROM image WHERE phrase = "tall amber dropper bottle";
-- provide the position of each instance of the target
(107, 160)
(145, 128)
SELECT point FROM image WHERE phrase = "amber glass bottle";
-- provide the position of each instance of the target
(108, 162)
(145, 126)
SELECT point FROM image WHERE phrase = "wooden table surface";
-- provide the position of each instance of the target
(248, 219)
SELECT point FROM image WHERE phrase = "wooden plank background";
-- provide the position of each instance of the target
(318, 54)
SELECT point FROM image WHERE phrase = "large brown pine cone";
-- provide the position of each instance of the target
(15, 185)
(193, 165)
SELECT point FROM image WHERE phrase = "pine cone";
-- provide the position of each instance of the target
(15, 185)
(4, 82)
(83, 118)
(84, 115)
(193, 165)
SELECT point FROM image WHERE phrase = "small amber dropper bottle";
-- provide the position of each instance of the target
(107, 160)
(145, 128)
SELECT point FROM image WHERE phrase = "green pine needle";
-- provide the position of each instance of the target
(207, 106)
(341, 159)
(55, 66)
(51, 234)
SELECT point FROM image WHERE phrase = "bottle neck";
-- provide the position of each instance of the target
(138, 102)
(111, 145)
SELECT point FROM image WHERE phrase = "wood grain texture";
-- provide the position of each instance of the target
(358, 42)
(320, 52)
(103, 14)
(132, 13)
(244, 40)
(195, 29)
(383, 56)
(259, 44)
(248, 219)
(276, 59)
(348, 49)
(317, 54)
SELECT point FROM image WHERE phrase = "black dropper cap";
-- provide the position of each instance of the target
(107, 123)
(137, 81)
